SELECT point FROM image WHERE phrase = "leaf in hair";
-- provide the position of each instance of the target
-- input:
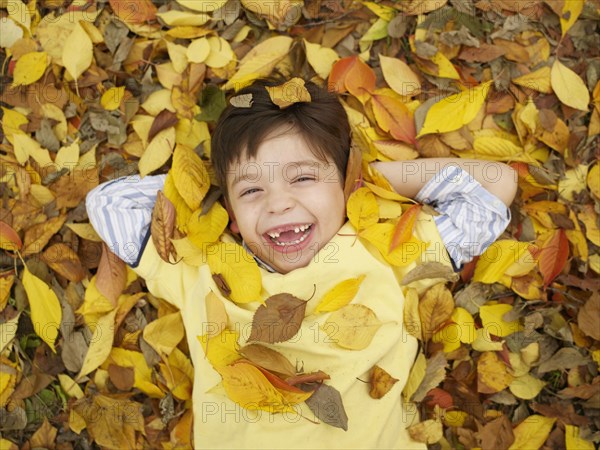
(288, 93)
(242, 101)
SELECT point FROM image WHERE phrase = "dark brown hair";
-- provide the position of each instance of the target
(322, 122)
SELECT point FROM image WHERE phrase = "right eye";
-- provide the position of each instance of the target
(249, 191)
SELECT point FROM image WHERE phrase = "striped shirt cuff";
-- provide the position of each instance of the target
(121, 212)
(471, 218)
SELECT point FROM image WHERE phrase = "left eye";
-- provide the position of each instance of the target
(305, 179)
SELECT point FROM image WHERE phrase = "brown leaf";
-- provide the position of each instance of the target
(435, 308)
(44, 437)
(163, 226)
(429, 431)
(163, 120)
(111, 276)
(565, 358)
(38, 235)
(63, 260)
(431, 269)
(31, 385)
(134, 11)
(326, 404)
(353, 171)
(268, 359)
(278, 320)
(222, 284)
(434, 374)
(122, 377)
(381, 382)
(9, 239)
(71, 190)
(588, 316)
(496, 435)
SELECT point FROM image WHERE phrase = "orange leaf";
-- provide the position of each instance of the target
(111, 276)
(553, 256)
(134, 11)
(393, 117)
(404, 228)
(339, 72)
(352, 75)
(9, 239)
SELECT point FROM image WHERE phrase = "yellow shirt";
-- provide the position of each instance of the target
(381, 423)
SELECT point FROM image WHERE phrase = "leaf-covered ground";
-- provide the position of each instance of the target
(95, 90)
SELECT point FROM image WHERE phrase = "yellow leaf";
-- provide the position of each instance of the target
(339, 295)
(25, 147)
(492, 320)
(573, 441)
(239, 270)
(378, 30)
(388, 193)
(412, 319)
(164, 333)
(112, 98)
(204, 6)
(100, 344)
(532, 432)
(84, 231)
(454, 111)
(526, 386)
(492, 375)
(178, 56)
(417, 373)
(320, 58)
(198, 50)
(18, 11)
(462, 329)
(158, 151)
(216, 315)
(570, 13)
(594, 262)
(590, 219)
(362, 209)
(67, 157)
(435, 308)
(569, 87)
(498, 257)
(179, 374)
(142, 372)
(77, 52)
(248, 387)
(399, 76)
(157, 101)
(288, 93)
(10, 33)
(445, 67)
(187, 251)
(260, 61)
(183, 18)
(484, 343)
(46, 312)
(69, 386)
(11, 123)
(29, 68)
(222, 349)
(220, 54)
(190, 176)
(538, 80)
(8, 329)
(182, 210)
(191, 133)
(380, 235)
(352, 327)
(593, 180)
(206, 229)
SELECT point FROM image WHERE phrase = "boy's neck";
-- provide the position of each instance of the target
(259, 261)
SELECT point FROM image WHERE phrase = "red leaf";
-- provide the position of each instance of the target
(553, 256)
(404, 228)
(9, 239)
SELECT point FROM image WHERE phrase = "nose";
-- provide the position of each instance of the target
(280, 201)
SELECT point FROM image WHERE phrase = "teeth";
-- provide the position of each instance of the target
(297, 241)
(302, 228)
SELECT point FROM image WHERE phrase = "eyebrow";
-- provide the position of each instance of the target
(303, 163)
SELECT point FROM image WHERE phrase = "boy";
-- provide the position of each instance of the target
(282, 174)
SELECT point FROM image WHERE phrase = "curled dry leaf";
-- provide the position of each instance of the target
(163, 226)
(278, 320)
(63, 260)
(269, 359)
(111, 276)
(435, 308)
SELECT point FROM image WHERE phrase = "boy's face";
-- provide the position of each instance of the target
(287, 204)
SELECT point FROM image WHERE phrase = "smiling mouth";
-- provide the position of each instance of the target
(291, 236)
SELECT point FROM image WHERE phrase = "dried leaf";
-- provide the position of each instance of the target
(399, 76)
(492, 374)
(290, 92)
(352, 327)
(164, 120)
(242, 101)
(157, 152)
(111, 276)
(492, 319)
(532, 432)
(164, 333)
(9, 239)
(553, 255)
(62, 259)
(431, 269)
(429, 431)
(278, 319)
(77, 53)
(404, 227)
(216, 316)
(326, 404)
(381, 382)
(587, 318)
(569, 87)
(163, 226)
(222, 349)
(37, 236)
(362, 209)
(435, 308)
(190, 176)
(269, 359)
(100, 344)
(30, 68)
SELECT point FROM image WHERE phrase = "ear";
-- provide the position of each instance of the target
(233, 226)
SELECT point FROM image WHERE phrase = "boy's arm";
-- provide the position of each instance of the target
(409, 177)
(471, 197)
(121, 213)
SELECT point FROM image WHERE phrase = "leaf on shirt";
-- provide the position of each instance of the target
(163, 226)
(222, 349)
(216, 315)
(404, 227)
(111, 277)
(435, 308)
(381, 382)
(362, 209)
(352, 327)
(278, 319)
(326, 404)
(207, 228)
(430, 269)
(269, 359)
(238, 270)
(339, 295)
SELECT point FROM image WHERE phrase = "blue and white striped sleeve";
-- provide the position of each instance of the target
(121, 213)
(471, 218)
